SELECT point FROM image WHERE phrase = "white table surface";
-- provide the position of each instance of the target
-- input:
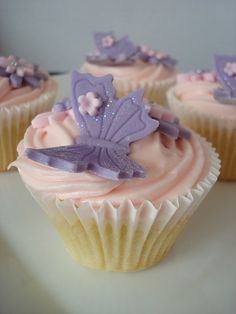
(38, 276)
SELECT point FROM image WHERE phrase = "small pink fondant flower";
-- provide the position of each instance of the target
(144, 49)
(230, 68)
(89, 104)
(209, 77)
(160, 55)
(196, 77)
(107, 41)
(183, 77)
(151, 52)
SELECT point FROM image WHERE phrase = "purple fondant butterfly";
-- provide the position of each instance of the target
(225, 67)
(112, 51)
(107, 127)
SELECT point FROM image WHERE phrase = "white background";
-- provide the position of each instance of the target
(58, 33)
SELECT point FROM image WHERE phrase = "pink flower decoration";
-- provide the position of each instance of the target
(193, 76)
(160, 55)
(108, 41)
(183, 77)
(196, 77)
(230, 68)
(19, 67)
(209, 77)
(144, 49)
(89, 104)
(150, 52)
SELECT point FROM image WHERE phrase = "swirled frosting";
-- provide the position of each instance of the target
(10, 96)
(138, 71)
(172, 166)
(198, 95)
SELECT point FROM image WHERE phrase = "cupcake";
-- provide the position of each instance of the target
(25, 91)
(132, 66)
(118, 180)
(206, 102)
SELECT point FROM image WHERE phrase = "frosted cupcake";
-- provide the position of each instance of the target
(206, 102)
(25, 91)
(132, 66)
(117, 179)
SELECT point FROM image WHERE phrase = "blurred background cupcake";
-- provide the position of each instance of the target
(120, 180)
(132, 66)
(25, 91)
(206, 102)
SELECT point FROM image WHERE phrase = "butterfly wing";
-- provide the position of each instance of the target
(228, 82)
(128, 120)
(82, 84)
(105, 162)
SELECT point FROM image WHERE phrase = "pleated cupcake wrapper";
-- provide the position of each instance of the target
(14, 122)
(127, 237)
(221, 132)
(153, 90)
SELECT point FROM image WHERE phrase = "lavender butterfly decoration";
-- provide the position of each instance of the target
(107, 127)
(226, 74)
(112, 51)
(20, 72)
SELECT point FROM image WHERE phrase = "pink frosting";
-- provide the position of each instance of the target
(172, 167)
(198, 94)
(10, 96)
(138, 71)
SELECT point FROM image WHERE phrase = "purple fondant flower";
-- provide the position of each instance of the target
(89, 104)
(19, 67)
(20, 72)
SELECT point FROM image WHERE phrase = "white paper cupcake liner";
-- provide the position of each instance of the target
(127, 237)
(14, 122)
(220, 131)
